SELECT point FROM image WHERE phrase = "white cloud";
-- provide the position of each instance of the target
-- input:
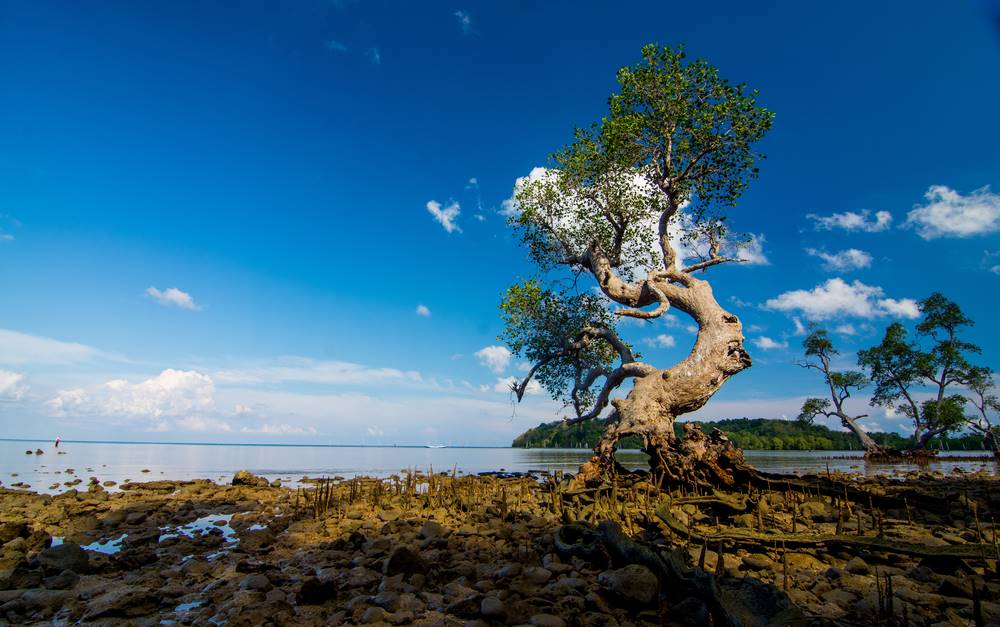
(6, 237)
(800, 328)
(464, 20)
(304, 370)
(279, 429)
(423, 310)
(333, 44)
(853, 221)
(472, 184)
(375, 431)
(173, 297)
(995, 269)
(660, 341)
(850, 259)
(446, 217)
(753, 253)
(505, 384)
(21, 348)
(200, 424)
(903, 308)
(172, 393)
(836, 297)
(949, 214)
(12, 387)
(374, 56)
(846, 329)
(765, 343)
(496, 358)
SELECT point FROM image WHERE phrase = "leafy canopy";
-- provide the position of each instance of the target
(676, 132)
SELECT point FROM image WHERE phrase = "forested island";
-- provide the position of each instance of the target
(747, 433)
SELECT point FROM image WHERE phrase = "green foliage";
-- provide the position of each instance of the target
(746, 433)
(812, 408)
(538, 323)
(675, 132)
(892, 368)
(898, 364)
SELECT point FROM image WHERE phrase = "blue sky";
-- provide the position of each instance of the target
(273, 164)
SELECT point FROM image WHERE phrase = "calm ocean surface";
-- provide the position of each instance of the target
(120, 461)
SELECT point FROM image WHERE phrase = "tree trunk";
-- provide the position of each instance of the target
(658, 399)
(873, 450)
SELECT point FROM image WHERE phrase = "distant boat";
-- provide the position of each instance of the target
(435, 446)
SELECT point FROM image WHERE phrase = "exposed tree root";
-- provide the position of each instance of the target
(732, 602)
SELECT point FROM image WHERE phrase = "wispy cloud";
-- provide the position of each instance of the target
(464, 21)
(660, 341)
(374, 55)
(445, 216)
(173, 297)
(333, 44)
(853, 221)
(22, 348)
(850, 259)
(423, 310)
(304, 370)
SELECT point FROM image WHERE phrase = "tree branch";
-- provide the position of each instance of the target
(615, 378)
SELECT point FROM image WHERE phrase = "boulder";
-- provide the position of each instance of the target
(66, 556)
(247, 478)
(404, 560)
(634, 583)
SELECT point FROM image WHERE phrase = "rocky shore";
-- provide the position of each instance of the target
(450, 550)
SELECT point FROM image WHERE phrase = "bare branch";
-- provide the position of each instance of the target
(615, 379)
(708, 263)
(519, 388)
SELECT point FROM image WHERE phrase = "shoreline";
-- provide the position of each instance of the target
(446, 549)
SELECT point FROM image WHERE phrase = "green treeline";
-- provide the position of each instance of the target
(747, 433)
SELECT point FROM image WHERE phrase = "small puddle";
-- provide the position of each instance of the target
(108, 547)
(202, 526)
(187, 607)
(56, 541)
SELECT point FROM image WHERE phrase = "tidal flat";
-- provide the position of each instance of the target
(443, 549)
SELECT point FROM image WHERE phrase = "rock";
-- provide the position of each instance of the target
(536, 575)
(634, 583)
(404, 560)
(374, 614)
(63, 581)
(431, 530)
(361, 577)
(126, 601)
(256, 582)
(66, 556)
(493, 608)
(842, 598)
(857, 566)
(315, 591)
(756, 562)
(39, 451)
(247, 478)
(387, 600)
(466, 607)
(11, 530)
(691, 612)
(28, 452)
(546, 620)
